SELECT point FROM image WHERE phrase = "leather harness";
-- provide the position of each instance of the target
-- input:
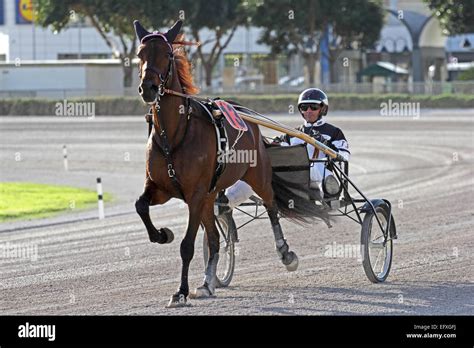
(154, 120)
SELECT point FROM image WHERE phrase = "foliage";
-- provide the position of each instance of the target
(221, 18)
(297, 26)
(455, 16)
(467, 75)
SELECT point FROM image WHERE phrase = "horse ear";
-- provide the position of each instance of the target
(174, 31)
(139, 30)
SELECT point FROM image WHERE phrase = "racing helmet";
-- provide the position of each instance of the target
(314, 96)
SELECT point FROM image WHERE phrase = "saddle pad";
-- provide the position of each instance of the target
(231, 115)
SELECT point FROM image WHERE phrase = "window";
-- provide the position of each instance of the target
(84, 56)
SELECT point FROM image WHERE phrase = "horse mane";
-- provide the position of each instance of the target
(183, 67)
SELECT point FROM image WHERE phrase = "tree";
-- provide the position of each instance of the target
(456, 17)
(292, 27)
(222, 18)
(108, 17)
(297, 26)
(354, 23)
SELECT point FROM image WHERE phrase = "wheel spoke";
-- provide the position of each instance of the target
(379, 244)
(377, 260)
(376, 245)
(376, 239)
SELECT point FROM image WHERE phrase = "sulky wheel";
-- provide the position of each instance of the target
(376, 252)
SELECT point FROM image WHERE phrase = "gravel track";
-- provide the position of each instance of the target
(425, 167)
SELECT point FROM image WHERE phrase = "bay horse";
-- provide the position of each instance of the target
(181, 158)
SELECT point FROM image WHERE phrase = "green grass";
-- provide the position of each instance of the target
(29, 200)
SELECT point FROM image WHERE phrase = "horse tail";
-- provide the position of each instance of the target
(294, 204)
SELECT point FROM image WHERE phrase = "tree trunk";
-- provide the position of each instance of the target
(127, 75)
(332, 71)
(216, 51)
(310, 62)
(333, 59)
(208, 71)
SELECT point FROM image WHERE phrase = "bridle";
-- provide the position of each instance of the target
(164, 146)
(162, 90)
(163, 79)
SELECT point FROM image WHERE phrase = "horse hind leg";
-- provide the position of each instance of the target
(287, 257)
(262, 186)
(142, 205)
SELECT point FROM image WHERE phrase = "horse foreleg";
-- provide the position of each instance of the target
(152, 196)
(187, 249)
(208, 219)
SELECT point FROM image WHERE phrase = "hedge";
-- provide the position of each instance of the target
(261, 103)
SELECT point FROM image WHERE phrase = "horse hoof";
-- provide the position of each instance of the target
(177, 300)
(201, 292)
(169, 234)
(161, 236)
(155, 236)
(293, 265)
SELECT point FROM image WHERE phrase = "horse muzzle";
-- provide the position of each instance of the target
(148, 91)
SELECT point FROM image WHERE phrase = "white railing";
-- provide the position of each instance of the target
(424, 88)
(427, 88)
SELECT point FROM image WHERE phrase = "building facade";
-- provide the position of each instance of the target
(50, 56)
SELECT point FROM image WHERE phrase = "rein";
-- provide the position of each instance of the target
(160, 131)
(178, 94)
(165, 147)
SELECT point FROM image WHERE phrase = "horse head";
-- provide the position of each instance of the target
(156, 60)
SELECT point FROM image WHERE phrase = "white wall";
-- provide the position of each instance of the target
(105, 79)
(61, 79)
(49, 46)
(38, 78)
(29, 42)
(4, 45)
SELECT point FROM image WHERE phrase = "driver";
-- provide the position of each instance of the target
(313, 105)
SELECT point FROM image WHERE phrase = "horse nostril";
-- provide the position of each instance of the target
(147, 86)
(140, 90)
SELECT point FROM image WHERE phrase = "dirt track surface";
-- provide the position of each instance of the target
(424, 166)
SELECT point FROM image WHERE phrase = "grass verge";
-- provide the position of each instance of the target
(26, 201)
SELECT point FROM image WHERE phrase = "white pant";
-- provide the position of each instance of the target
(238, 193)
(317, 173)
(241, 191)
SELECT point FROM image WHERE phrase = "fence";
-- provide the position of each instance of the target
(423, 88)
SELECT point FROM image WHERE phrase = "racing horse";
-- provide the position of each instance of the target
(181, 158)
